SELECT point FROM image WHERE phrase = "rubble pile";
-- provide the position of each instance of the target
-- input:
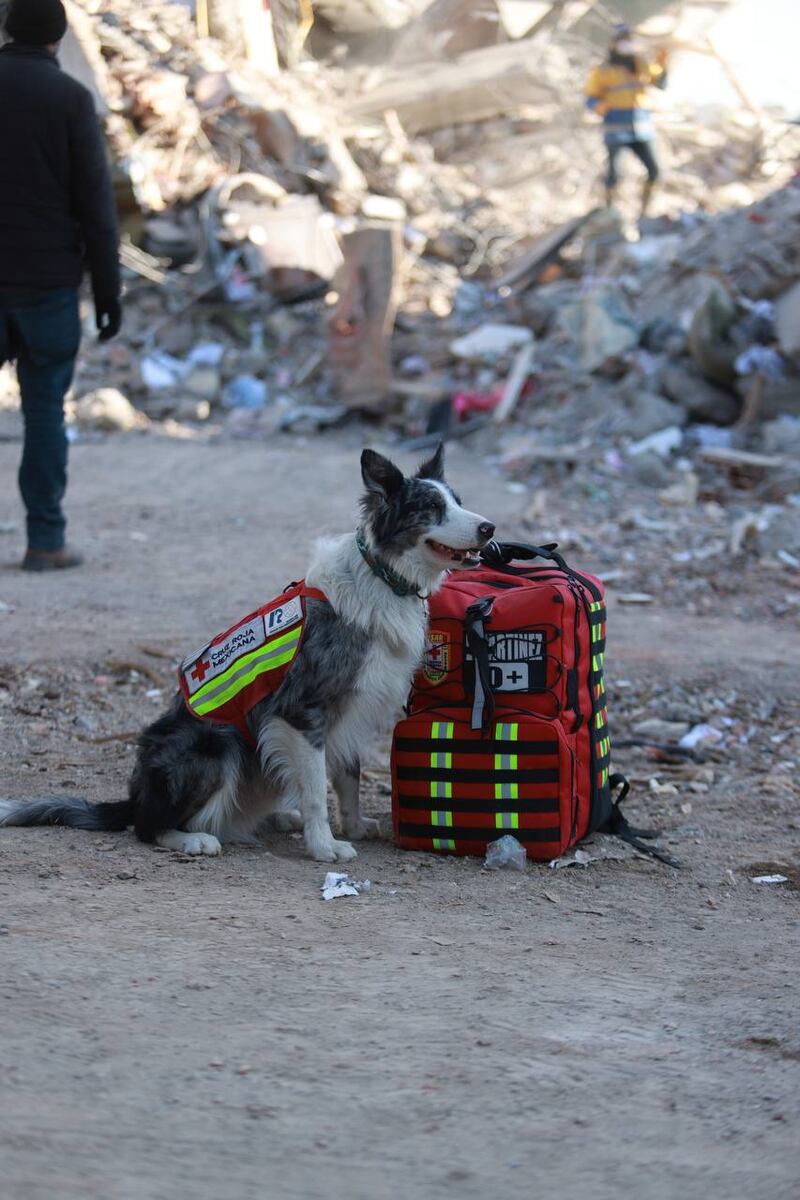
(424, 243)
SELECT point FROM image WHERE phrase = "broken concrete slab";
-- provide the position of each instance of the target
(709, 335)
(601, 326)
(475, 87)
(447, 28)
(360, 325)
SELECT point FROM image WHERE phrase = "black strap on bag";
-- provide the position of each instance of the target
(483, 701)
(499, 554)
(619, 826)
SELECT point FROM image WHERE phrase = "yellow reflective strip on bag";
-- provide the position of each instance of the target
(506, 820)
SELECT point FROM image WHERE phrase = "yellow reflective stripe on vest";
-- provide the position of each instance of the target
(247, 668)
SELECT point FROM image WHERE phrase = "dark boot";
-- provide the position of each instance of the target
(51, 560)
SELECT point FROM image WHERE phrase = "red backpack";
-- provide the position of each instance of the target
(507, 727)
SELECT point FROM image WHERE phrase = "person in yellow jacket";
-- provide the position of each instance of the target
(617, 91)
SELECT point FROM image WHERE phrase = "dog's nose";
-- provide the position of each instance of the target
(485, 530)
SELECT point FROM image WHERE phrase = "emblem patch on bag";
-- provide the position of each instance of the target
(436, 663)
(517, 661)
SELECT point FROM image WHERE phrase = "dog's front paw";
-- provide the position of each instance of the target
(189, 843)
(328, 849)
(362, 828)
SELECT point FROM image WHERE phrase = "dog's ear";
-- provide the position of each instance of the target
(434, 467)
(380, 476)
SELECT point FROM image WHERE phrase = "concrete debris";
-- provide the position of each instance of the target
(403, 222)
(448, 28)
(601, 328)
(360, 325)
(107, 410)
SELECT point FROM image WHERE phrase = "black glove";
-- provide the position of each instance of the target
(108, 316)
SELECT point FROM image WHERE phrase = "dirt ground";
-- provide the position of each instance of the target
(209, 1029)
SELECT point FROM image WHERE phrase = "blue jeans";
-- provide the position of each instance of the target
(41, 329)
(644, 152)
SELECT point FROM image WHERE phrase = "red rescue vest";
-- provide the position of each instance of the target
(231, 674)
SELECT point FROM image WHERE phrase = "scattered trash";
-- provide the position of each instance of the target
(245, 391)
(769, 879)
(578, 858)
(337, 885)
(491, 341)
(662, 443)
(699, 734)
(505, 852)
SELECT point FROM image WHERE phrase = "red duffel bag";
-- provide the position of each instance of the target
(507, 728)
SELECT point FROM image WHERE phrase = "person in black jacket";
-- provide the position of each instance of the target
(57, 219)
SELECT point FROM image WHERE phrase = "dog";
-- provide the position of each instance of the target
(196, 784)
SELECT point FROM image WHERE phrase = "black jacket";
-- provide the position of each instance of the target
(57, 215)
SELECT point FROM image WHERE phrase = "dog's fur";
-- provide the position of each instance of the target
(195, 785)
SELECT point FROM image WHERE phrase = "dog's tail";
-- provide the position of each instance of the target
(68, 810)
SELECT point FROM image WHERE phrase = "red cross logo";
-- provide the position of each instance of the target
(200, 670)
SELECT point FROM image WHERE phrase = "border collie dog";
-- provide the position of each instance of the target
(196, 784)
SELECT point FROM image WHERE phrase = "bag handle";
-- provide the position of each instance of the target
(620, 827)
(500, 554)
(476, 617)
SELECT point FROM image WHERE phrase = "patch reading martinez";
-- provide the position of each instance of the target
(436, 663)
(517, 661)
(216, 657)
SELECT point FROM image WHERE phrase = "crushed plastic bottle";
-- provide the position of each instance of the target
(505, 852)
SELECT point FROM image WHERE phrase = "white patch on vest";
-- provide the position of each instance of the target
(216, 659)
(284, 616)
(213, 660)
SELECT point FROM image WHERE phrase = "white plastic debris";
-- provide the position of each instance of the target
(662, 442)
(491, 341)
(337, 885)
(769, 879)
(505, 852)
(206, 354)
(698, 734)
(761, 359)
(580, 858)
(161, 370)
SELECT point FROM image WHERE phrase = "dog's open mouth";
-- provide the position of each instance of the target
(461, 558)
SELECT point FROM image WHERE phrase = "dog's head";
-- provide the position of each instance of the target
(417, 523)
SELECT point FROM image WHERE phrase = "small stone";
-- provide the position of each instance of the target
(659, 730)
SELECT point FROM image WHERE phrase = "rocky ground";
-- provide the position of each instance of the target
(175, 1027)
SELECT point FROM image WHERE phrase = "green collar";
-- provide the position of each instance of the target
(400, 586)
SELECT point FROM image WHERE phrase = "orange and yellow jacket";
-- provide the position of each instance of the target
(619, 96)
